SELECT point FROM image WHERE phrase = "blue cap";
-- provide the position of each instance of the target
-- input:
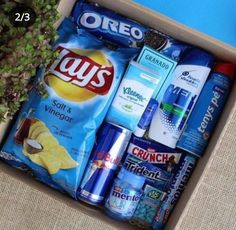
(196, 56)
(135, 180)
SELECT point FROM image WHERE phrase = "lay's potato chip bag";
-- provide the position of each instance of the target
(53, 136)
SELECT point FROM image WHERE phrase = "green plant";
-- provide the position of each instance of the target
(22, 50)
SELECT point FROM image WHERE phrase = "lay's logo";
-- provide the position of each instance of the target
(85, 72)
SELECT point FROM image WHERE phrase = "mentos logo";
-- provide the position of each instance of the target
(117, 192)
(82, 69)
(150, 155)
(92, 20)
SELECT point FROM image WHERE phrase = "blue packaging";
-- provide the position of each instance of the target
(132, 97)
(207, 110)
(175, 190)
(108, 25)
(157, 163)
(178, 99)
(159, 63)
(122, 31)
(53, 136)
(146, 118)
(146, 154)
(111, 144)
(147, 207)
(173, 49)
(124, 196)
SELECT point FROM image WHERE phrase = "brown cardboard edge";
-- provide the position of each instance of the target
(3, 129)
(64, 10)
(172, 28)
(204, 164)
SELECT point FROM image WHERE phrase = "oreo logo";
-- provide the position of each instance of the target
(93, 21)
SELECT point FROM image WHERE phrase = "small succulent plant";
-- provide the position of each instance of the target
(22, 50)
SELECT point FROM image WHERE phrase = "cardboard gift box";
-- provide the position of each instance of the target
(188, 213)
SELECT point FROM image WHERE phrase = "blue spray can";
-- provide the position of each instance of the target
(176, 188)
(207, 110)
(180, 97)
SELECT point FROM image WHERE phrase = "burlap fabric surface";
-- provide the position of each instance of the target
(212, 205)
(25, 208)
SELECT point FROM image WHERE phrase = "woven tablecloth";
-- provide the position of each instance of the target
(213, 203)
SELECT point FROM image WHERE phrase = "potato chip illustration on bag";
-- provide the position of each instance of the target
(42, 148)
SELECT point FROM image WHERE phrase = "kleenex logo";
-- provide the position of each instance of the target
(92, 20)
(129, 91)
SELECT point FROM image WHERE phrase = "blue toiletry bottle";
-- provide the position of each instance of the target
(180, 97)
(125, 195)
(207, 110)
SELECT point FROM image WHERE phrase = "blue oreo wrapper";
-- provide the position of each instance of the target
(122, 31)
(108, 25)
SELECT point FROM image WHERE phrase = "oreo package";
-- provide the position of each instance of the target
(121, 31)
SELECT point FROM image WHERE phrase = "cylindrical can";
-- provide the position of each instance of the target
(175, 190)
(112, 141)
(208, 108)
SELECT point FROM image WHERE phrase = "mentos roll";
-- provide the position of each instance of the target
(207, 111)
(125, 195)
(176, 188)
(180, 96)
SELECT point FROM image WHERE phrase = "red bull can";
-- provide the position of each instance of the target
(112, 141)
